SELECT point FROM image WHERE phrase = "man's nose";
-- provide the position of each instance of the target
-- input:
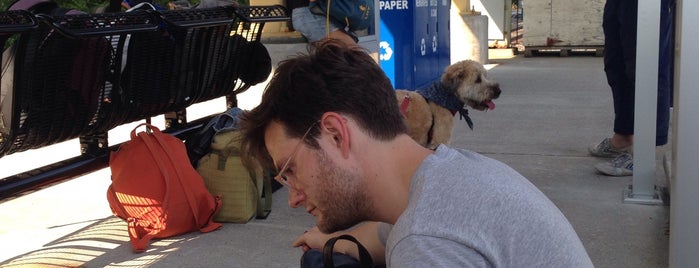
(296, 198)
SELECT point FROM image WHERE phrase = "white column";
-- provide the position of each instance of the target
(643, 189)
(684, 205)
(468, 33)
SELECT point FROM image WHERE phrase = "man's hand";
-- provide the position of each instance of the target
(366, 233)
(313, 238)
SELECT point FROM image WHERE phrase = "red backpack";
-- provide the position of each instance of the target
(156, 190)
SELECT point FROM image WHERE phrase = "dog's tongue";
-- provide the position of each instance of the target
(490, 104)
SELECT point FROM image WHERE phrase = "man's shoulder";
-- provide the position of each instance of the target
(463, 162)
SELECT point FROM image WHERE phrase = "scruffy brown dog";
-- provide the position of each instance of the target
(429, 112)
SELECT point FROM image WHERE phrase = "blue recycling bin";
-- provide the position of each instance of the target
(443, 36)
(414, 41)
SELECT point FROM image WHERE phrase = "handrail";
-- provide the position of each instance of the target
(91, 25)
(263, 13)
(197, 18)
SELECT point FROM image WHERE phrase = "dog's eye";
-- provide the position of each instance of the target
(478, 80)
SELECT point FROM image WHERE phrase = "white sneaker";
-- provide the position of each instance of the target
(622, 165)
(605, 149)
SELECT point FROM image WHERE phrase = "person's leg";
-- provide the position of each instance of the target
(619, 24)
(617, 61)
(621, 141)
(308, 24)
(623, 165)
(613, 57)
(312, 27)
(623, 92)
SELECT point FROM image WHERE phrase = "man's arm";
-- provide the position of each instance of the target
(367, 233)
(429, 251)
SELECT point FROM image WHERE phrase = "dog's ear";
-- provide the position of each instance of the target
(451, 79)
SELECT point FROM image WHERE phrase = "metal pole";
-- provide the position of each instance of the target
(643, 190)
(684, 183)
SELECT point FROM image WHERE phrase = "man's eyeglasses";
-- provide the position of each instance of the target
(281, 178)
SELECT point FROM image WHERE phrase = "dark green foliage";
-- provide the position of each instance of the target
(84, 5)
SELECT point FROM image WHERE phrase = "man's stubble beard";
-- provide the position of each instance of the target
(343, 197)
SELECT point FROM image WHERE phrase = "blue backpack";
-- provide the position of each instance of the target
(199, 144)
(353, 14)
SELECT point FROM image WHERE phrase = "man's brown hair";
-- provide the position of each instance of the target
(330, 78)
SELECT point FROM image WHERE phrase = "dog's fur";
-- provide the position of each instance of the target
(429, 123)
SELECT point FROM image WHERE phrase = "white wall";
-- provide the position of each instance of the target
(684, 207)
(495, 10)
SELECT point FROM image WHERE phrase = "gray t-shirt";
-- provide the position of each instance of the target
(467, 210)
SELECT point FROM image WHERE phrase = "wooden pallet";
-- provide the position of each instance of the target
(531, 51)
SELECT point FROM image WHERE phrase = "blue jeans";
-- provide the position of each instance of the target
(311, 26)
(619, 24)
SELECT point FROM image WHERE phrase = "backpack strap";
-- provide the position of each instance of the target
(140, 241)
(365, 260)
(263, 183)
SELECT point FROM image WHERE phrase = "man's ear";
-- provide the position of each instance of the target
(336, 126)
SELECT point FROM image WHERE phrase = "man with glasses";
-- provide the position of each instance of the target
(330, 124)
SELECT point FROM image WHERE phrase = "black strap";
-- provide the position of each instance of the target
(264, 203)
(365, 260)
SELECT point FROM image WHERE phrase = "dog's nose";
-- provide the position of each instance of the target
(496, 91)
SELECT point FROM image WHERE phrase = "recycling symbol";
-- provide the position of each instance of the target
(386, 51)
(434, 44)
(422, 47)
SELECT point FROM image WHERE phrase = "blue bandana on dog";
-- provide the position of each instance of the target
(445, 99)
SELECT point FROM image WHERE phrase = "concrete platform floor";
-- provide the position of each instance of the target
(550, 110)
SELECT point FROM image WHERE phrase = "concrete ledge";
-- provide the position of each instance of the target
(501, 53)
